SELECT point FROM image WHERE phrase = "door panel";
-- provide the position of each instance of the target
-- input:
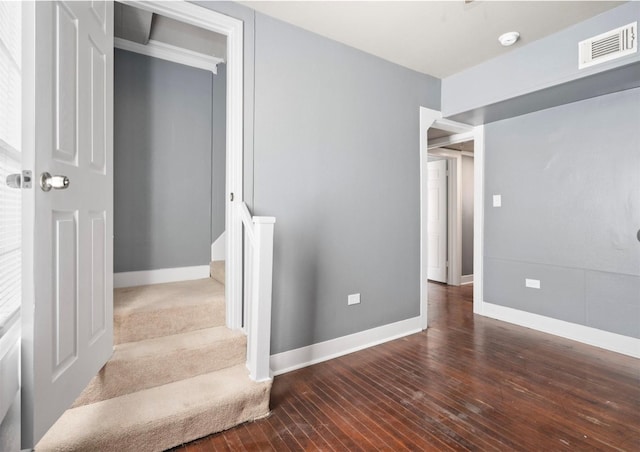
(98, 102)
(66, 72)
(65, 289)
(437, 220)
(68, 315)
(98, 271)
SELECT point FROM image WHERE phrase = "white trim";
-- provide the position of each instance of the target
(466, 279)
(258, 320)
(168, 52)
(444, 152)
(219, 248)
(233, 29)
(427, 118)
(451, 139)
(587, 335)
(163, 275)
(234, 173)
(424, 261)
(455, 225)
(451, 126)
(264, 220)
(324, 351)
(478, 219)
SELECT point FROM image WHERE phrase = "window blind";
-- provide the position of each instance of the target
(10, 158)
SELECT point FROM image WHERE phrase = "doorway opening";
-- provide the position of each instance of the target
(194, 131)
(169, 148)
(451, 205)
(450, 209)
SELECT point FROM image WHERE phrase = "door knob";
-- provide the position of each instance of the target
(47, 182)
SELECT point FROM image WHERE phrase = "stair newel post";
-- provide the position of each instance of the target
(248, 289)
(260, 317)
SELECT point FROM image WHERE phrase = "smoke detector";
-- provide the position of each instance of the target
(509, 38)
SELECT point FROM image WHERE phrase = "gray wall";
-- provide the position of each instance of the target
(570, 184)
(219, 152)
(337, 163)
(333, 155)
(467, 215)
(162, 156)
(540, 74)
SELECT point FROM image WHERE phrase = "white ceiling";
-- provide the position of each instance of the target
(433, 37)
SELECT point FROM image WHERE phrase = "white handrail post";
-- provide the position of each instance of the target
(260, 318)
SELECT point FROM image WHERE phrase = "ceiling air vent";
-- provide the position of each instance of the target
(608, 46)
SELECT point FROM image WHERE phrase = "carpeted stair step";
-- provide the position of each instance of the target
(157, 310)
(153, 362)
(159, 418)
(217, 271)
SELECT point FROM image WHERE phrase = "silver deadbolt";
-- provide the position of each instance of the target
(14, 180)
(19, 180)
(47, 182)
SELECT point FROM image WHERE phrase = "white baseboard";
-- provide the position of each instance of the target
(466, 279)
(305, 356)
(163, 275)
(588, 335)
(219, 248)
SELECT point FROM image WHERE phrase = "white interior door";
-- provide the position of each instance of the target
(68, 299)
(437, 220)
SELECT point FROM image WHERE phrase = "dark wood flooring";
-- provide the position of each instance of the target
(468, 382)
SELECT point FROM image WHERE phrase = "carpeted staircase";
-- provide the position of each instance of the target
(176, 374)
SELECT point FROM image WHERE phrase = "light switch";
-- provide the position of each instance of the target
(497, 200)
(532, 283)
(353, 299)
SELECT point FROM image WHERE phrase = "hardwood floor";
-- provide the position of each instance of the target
(467, 383)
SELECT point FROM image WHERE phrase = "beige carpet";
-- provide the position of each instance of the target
(217, 271)
(145, 312)
(159, 391)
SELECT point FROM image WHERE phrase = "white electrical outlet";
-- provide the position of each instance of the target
(354, 298)
(497, 200)
(532, 283)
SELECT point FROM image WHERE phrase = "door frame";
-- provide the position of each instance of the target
(233, 29)
(461, 132)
